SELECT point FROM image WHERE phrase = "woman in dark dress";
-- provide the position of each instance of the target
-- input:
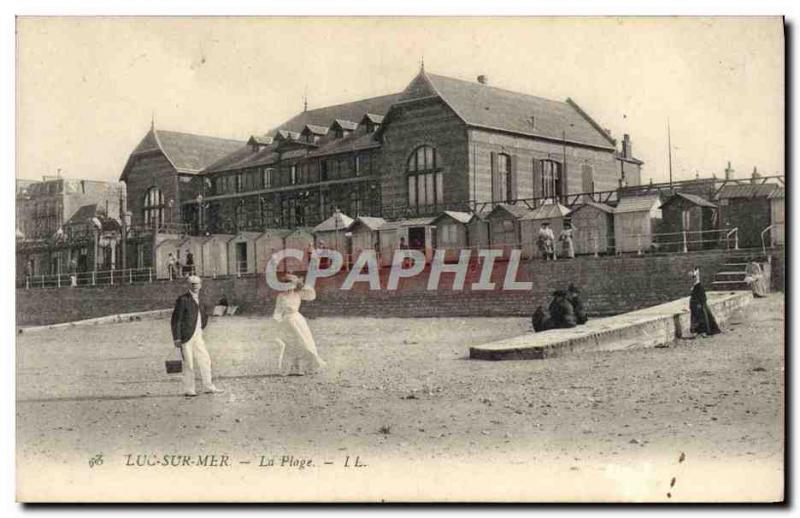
(703, 321)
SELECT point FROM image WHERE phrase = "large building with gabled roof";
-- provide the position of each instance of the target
(159, 173)
(439, 144)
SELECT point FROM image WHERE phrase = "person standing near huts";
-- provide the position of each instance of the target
(702, 320)
(567, 244)
(546, 241)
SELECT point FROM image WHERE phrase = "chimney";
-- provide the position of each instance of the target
(729, 171)
(627, 151)
(484, 80)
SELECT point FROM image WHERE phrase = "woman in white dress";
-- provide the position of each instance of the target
(567, 236)
(296, 342)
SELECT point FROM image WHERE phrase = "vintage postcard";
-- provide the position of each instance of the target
(376, 259)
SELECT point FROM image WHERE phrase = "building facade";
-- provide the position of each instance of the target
(439, 144)
(58, 221)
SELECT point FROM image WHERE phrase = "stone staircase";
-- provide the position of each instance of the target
(731, 276)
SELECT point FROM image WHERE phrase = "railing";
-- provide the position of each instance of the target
(774, 226)
(94, 278)
(682, 242)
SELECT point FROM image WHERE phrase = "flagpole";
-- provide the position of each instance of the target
(669, 144)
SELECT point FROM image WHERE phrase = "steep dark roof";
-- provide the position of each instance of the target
(188, 153)
(352, 111)
(746, 191)
(242, 158)
(84, 214)
(692, 198)
(494, 108)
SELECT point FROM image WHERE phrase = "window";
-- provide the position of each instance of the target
(240, 216)
(293, 174)
(551, 179)
(323, 165)
(587, 178)
(267, 177)
(356, 203)
(153, 207)
(501, 179)
(425, 185)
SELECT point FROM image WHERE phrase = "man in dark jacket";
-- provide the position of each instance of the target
(562, 313)
(574, 298)
(189, 318)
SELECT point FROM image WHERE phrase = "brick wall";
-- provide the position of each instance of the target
(431, 123)
(605, 168)
(609, 284)
(152, 169)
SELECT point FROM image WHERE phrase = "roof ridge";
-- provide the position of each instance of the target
(471, 83)
(156, 131)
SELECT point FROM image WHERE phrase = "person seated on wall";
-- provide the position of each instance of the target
(756, 279)
(541, 320)
(221, 307)
(562, 314)
(574, 298)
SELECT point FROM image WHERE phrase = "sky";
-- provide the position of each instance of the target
(87, 88)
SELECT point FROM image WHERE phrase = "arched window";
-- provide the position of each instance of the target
(153, 207)
(425, 186)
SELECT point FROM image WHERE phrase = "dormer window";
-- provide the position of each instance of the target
(312, 133)
(372, 122)
(342, 128)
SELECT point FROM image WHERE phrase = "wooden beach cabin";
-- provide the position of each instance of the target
(593, 226)
(635, 221)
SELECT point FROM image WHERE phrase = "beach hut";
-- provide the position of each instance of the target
(242, 253)
(418, 234)
(635, 222)
(364, 234)
(215, 255)
(333, 233)
(530, 223)
(163, 249)
(593, 227)
(194, 246)
(452, 233)
(687, 223)
(746, 208)
(504, 226)
(478, 232)
(299, 239)
(268, 243)
(777, 216)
